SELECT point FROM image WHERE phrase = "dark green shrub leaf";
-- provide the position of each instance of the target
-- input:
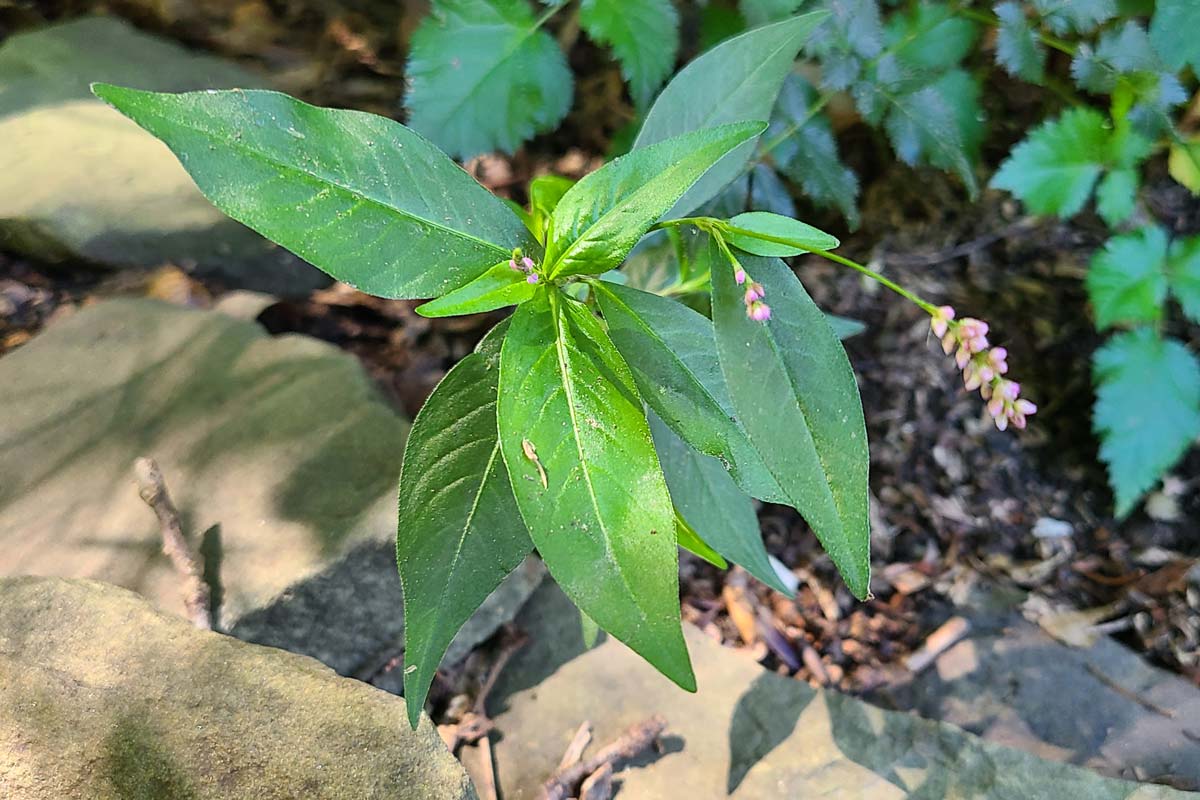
(1147, 410)
(1055, 167)
(1173, 33)
(1126, 281)
(1078, 16)
(599, 220)
(805, 237)
(721, 513)
(483, 77)
(736, 81)
(1116, 196)
(672, 354)
(544, 193)
(575, 438)
(1183, 275)
(644, 36)
(1018, 48)
(500, 286)
(930, 36)
(795, 395)
(1125, 58)
(352, 193)
(460, 531)
(807, 152)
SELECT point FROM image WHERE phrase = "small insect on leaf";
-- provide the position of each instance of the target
(531, 453)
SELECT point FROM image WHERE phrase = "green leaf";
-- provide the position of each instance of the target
(749, 232)
(459, 529)
(1184, 164)
(844, 327)
(796, 396)
(644, 36)
(807, 152)
(672, 355)
(1173, 33)
(1055, 167)
(762, 12)
(721, 513)
(1183, 275)
(575, 438)
(544, 193)
(1124, 61)
(736, 81)
(500, 286)
(1078, 16)
(482, 77)
(1116, 196)
(930, 36)
(1147, 410)
(352, 193)
(1126, 281)
(1018, 48)
(601, 218)
(689, 540)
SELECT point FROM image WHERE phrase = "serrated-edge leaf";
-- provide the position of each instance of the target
(1116, 196)
(1147, 410)
(1173, 32)
(1126, 281)
(643, 35)
(360, 196)
(459, 531)
(600, 219)
(1183, 275)
(1018, 49)
(795, 394)
(592, 495)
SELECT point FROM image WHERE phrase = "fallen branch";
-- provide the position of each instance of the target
(639, 737)
(153, 490)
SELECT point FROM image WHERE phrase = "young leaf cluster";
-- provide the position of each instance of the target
(602, 424)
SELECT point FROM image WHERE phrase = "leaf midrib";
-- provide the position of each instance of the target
(237, 144)
(569, 394)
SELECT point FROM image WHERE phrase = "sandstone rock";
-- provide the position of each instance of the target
(103, 697)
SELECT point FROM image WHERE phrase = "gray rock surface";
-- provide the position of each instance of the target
(103, 697)
(1101, 706)
(747, 732)
(80, 181)
(279, 453)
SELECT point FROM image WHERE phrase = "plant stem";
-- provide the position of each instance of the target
(993, 21)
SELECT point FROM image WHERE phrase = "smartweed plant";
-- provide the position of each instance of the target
(602, 424)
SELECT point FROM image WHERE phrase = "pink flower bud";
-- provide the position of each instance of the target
(739, 275)
(998, 360)
(759, 312)
(754, 292)
(940, 320)
(533, 278)
(995, 406)
(527, 263)
(1025, 407)
(512, 264)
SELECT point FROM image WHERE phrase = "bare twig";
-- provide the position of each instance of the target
(938, 642)
(633, 741)
(488, 790)
(153, 490)
(579, 743)
(475, 724)
(598, 785)
(1128, 694)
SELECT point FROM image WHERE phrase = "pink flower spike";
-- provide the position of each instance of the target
(759, 312)
(1010, 389)
(998, 360)
(527, 263)
(739, 275)
(533, 278)
(940, 320)
(962, 357)
(1025, 408)
(754, 292)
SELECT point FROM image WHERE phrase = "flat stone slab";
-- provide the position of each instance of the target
(279, 452)
(79, 181)
(1101, 706)
(103, 697)
(747, 733)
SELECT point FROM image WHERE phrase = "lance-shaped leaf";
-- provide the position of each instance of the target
(358, 195)
(736, 81)
(765, 234)
(500, 286)
(708, 499)
(796, 397)
(460, 532)
(672, 354)
(599, 220)
(691, 541)
(544, 193)
(586, 477)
